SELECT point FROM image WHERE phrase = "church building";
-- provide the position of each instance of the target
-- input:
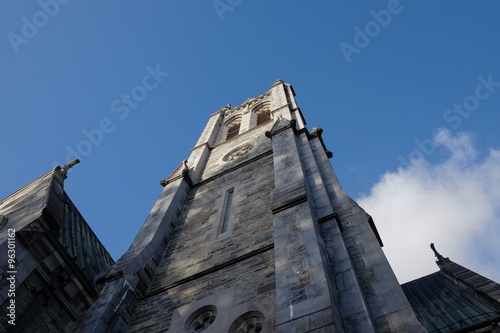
(251, 233)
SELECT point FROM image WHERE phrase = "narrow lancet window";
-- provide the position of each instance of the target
(227, 211)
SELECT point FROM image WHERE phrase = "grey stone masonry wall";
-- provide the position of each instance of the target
(327, 250)
(132, 273)
(199, 262)
(349, 302)
(283, 103)
(211, 129)
(240, 149)
(349, 297)
(199, 154)
(365, 282)
(304, 299)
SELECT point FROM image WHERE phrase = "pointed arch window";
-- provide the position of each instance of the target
(261, 113)
(233, 130)
(263, 116)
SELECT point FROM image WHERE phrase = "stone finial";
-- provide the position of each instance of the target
(181, 171)
(225, 108)
(436, 253)
(68, 166)
(440, 258)
(185, 168)
(316, 131)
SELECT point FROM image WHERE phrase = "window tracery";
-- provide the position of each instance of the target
(250, 322)
(263, 116)
(251, 325)
(233, 128)
(202, 319)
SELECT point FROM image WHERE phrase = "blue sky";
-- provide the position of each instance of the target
(380, 77)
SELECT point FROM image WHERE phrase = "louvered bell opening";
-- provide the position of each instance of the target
(263, 116)
(233, 131)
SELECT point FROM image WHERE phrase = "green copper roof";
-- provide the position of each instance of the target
(81, 242)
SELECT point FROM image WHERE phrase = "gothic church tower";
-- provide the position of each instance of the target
(253, 233)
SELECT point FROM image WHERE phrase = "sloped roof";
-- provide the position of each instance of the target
(45, 197)
(81, 242)
(443, 304)
(454, 299)
(25, 205)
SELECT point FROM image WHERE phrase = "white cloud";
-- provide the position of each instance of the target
(454, 204)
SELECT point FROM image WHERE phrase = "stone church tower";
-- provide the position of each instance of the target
(253, 233)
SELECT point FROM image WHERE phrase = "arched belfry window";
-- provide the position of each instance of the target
(262, 113)
(263, 116)
(233, 128)
(232, 131)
